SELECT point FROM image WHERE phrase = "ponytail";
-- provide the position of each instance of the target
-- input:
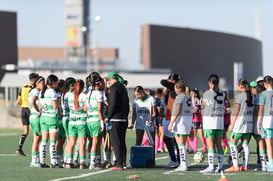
(68, 83)
(51, 79)
(268, 79)
(214, 80)
(246, 85)
(94, 79)
(37, 80)
(78, 89)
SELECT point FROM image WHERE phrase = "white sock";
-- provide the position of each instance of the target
(246, 155)
(182, 155)
(234, 155)
(210, 160)
(42, 152)
(92, 160)
(53, 155)
(263, 160)
(34, 159)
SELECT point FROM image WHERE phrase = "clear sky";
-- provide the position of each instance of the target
(40, 22)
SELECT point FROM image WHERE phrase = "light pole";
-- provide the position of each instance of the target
(96, 48)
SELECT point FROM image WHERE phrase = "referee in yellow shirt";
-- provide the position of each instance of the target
(22, 100)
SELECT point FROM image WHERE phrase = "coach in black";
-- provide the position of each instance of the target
(118, 110)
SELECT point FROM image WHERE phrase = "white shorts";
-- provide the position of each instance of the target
(165, 126)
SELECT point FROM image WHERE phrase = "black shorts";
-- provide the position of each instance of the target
(25, 113)
(197, 125)
(158, 121)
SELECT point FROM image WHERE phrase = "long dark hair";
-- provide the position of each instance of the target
(37, 80)
(51, 79)
(260, 86)
(94, 79)
(268, 79)
(78, 89)
(214, 79)
(246, 85)
(196, 91)
(68, 83)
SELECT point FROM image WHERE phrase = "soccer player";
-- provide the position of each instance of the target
(241, 125)
(34, 119)
(22, 100)
(143, 113)
(265, 119)
(256, 89)
(226, 124)
(77, 124)
(197, 120)
(213, 122)
(181, 121)
(49, 120)
(69, 88)
(94, 105)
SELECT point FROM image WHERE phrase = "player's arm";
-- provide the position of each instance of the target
(19, 98)
(174, 117)
(260, 117)
(133, 119)
(33, 103)
(235, 116)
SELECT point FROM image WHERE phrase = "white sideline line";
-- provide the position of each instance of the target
(8, 134)
(178, 173)
(8, 155)
(162, 158)
(80, 176)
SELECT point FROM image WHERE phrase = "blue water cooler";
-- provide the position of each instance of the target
(142, 157)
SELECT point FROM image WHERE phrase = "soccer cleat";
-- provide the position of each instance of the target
(219, 170)
(35, 165)
(207, 170)
(76, 164)
(205, 150)
(115, 168)
(243, 169)
(83, 166)
(173, 164)
(181, 168)
(269, 168)
(68, 165)
(232, 169)
(44, 165)
(159, 150)
(92, 166)
(124, 168)
(55, 166)
(20, 152)
(227, 150)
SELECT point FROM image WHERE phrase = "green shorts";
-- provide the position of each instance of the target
(180, 135)
(79, 130)
(65, 122)
(212, 133)
(268, 132)
(49, 123)
(256, 136)
(237, 136)
(35, 124)
(94, 128)
(61, 133)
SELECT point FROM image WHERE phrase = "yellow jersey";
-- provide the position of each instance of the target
(23, 96)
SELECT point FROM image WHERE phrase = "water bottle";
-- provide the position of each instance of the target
(108, 126)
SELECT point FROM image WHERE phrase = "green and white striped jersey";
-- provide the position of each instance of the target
(92, 104)
(74, 115)
(46, 102)
(32, 93)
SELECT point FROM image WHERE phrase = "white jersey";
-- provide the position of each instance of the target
(80, 115)
(143, 111)
(33, 93)
(266, 99)
(92, 104)
(244, 121)
(183, 122)
(213, 115)
(65, 105)
(50, 95)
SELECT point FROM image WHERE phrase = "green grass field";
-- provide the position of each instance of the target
(15, 168)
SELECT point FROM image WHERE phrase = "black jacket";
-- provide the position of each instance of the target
(118, 107)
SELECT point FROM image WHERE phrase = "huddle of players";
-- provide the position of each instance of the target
(253, 115)
(68, 110)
